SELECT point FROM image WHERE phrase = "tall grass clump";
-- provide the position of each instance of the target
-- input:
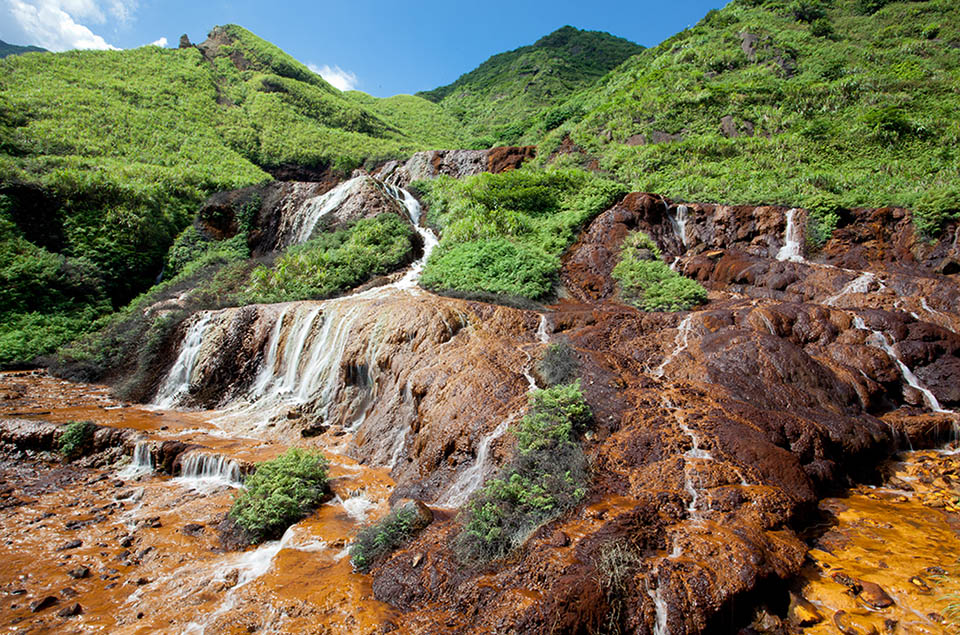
(648, 283)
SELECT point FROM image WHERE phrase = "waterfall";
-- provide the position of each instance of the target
(177, 382)
(879, 340)
(141, 463)
(201, 470)
(792, 240)
(542, 334)
(472, 477)
(305, 221)
(680, 344)
(679, 223)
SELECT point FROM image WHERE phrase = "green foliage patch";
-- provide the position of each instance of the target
(334, 262)
(504, 233)
(382, 537)
(647, 282)
(76, 438)
(279, 493)
(547, 476)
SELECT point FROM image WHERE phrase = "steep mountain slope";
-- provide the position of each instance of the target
(105, 156)
(497, 100)
(13, 49)
(821, 103)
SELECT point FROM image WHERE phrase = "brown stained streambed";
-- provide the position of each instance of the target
(149, 559)
(890, 560)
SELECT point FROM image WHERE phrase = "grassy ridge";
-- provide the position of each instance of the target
(837, 104)
(506, 95)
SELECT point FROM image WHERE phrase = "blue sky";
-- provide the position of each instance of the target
(382, 48)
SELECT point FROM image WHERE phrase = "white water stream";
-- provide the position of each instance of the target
(679, 223)
(879, 340)
(681, 342)
(792, 240)
(177, 382)
(141, 463)
(202, 471)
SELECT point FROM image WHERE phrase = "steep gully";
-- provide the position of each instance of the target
(715, 431)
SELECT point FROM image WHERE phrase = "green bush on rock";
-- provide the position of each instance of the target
(389, 533)
(647, 282)
(75, 439)
(279, 493)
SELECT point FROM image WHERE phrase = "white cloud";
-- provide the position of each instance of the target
(338, 78)
(161, 42)
(58, 24)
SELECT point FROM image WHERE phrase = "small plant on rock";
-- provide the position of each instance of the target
(75, 440)
(648, 283)
(279, 493)
(389, 533)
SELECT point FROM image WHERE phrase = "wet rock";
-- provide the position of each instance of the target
(43, 603)
(73, 544)
(802, 612)
(126, 541)
(193, 529)
(68, 592)
(70, 611)
(80, 572)
(559, 539)
(874, 595)
(420, 514)
(849, 624)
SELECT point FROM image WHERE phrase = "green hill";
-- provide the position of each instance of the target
(821, 103)
(13, 49)
(105, 156)
(497, 102)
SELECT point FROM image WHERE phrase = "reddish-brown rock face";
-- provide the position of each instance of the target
(715, 431)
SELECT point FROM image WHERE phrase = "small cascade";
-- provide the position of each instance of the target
(430, 240)
(879, 340)
(681, 343)
(860, 284)
(679, 223)
(141, 463)
(472, 477)
(542, 335)
(177, 382)
(768, 324)
(660, 604)
(357, 507)
(310, 213)
(201, 470)
(792, 240)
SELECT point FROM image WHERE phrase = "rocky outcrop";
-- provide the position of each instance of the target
(715, 432)
(455, 163)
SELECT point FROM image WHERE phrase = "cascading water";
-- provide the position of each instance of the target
(141, 463)
(861, 284)
(681, 342)
(201, 471)
(879, 340)
(177, 382)
(679, 223)
(792, 240)
(305, 221)
(472, 477)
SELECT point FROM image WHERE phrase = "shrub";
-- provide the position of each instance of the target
(76, 438)
(279, 493)
(386, 535)
(558, 365)
(649, 283)
(869, 7)
(546, 476)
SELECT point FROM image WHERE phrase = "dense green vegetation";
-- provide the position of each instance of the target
(333, 262)
(105, 156)
(279, 493)
(12, 49)
(75, 439)
(837, 104)
(647, 282)
(547, 476)
(516, 91)
(503, 234)
(383, 537)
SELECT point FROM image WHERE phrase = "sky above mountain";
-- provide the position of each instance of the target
(382, 48)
